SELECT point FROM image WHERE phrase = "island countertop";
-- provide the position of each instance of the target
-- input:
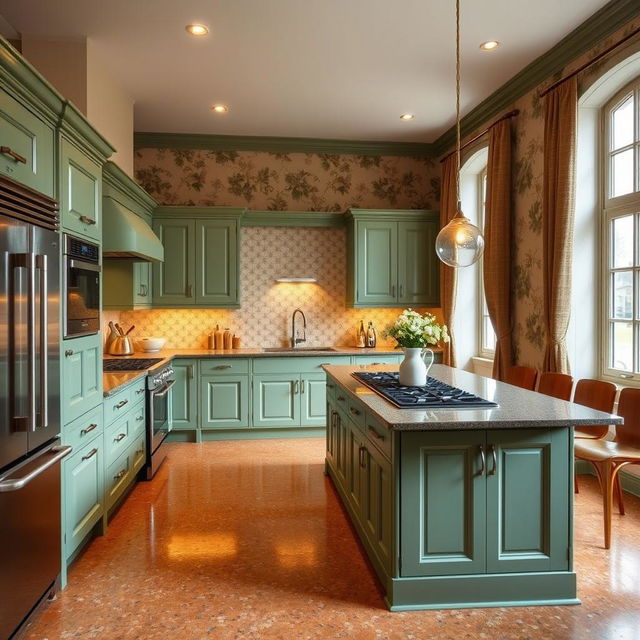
(517, 408)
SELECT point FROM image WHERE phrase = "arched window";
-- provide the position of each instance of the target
(621, 233)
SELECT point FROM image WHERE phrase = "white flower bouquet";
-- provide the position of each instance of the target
(413, 330)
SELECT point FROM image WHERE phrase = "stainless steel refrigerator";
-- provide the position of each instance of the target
(30, 451)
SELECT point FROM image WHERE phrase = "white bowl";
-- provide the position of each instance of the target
(151, 345)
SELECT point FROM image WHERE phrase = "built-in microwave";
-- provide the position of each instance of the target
(81, 287)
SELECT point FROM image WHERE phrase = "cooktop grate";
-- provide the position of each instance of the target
(131, 364)
(434, 395)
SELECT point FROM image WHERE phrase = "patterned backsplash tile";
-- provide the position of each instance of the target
(264, 320)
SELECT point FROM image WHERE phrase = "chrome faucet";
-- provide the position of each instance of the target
(295, 341)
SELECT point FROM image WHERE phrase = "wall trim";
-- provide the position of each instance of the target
(214, 142)
(292, 219)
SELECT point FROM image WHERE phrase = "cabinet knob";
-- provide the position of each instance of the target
(120, 474)
(68, 353)
(354, 412)
(375, 434)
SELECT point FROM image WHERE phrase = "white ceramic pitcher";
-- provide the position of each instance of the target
(413, 369)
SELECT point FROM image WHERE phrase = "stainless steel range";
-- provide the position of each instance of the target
(159, 385)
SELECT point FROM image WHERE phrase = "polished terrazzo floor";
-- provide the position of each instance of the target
(237, 540)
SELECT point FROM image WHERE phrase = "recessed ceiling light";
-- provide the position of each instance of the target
(407, 116)
(197, 29)
(220, 108)
(489, 45)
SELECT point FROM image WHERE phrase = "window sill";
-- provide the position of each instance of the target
(482, 366)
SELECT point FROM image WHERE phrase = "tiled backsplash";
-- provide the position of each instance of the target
(264, 320)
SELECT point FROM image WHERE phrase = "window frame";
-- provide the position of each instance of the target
(483, 311)
(611, 209)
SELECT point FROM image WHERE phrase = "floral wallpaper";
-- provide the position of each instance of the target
(288, 181)
(264, 320)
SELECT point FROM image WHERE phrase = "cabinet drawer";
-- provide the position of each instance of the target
(118, 437)
(356, 413)
(84, 429)
(221, 366)
(378, 359)
(138, 452)
(138, 416)
(378, 434)
(296, 364)
(117, 478)
(117, 405)
(138, 390)
(32, 139)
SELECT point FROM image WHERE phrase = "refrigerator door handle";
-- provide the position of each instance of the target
(14, 484)
(41, 264)
(31, 337)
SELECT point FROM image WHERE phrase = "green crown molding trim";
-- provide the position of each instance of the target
(120, 186)
(392, 214)
(292, 219)
(173, 211)
(212, 142)
(592, 31)
(76, 127)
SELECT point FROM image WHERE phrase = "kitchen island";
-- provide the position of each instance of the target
(459, 507)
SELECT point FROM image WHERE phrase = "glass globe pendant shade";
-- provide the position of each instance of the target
(459, 243)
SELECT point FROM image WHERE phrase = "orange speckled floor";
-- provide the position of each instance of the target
(248, 540)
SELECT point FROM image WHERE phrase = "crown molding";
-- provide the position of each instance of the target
(254, 218)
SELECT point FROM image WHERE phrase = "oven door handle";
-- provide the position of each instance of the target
(81, 264)
(165, 390)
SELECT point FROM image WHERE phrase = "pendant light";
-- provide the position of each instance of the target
(459, 243)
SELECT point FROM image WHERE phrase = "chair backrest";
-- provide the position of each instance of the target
(598, 395)
(629, 408)
(524, 377)
(558, 385)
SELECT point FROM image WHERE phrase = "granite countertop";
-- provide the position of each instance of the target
(518, 408)
(114, 381)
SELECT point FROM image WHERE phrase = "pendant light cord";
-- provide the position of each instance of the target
(458, 199)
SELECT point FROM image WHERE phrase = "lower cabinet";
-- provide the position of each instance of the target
(276, 400)
(184, 395)
(224, 402)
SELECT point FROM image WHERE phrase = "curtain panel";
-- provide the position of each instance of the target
(561, 110)
(497, 237)
(448, 275)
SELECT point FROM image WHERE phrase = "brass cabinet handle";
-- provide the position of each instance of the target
(483, 461)
(393, 290)
(68, 353)
(324, 364)
(120, 474)
(222, 366)
(8, 151)
(341, 398)
(302, 386)
(375, 434)
(354, 412)
(89, 429)
(494, 457)
(139, 451)
(121, 436)
(331, 386)
(139, 391)
(295, 386)
(376, 363)
(189, 291)
(121, 404)
(190, 372)
(90, 454)
(87, 220)
(139, 418)
(401, 291)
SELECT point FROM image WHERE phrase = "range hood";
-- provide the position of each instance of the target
(127, 235)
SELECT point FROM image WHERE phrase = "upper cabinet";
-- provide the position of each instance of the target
(391, 258)
(201, 257)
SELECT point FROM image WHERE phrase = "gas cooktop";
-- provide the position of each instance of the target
(434, 395)
(131, 364)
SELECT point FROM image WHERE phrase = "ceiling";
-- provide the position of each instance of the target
(342, 69)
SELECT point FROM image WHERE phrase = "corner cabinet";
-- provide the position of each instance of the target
(201, 265)
(391, 258)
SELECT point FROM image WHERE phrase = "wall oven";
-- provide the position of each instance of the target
(159, 385)
(81, 287)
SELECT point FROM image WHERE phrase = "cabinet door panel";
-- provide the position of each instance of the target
(331, 425)
(141, 285)
(443, 504)
(276, 400)
(82, 376)
(377, 262)
(224, 402)
(418, 271)
(217, 262)
(523, 494)
(314, 400)
(342, 447)
(354, 468)
(184, 395)
(174, 279)
(28, 136)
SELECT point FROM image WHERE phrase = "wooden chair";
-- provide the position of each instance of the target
(610, 456)
(598, 395)
(556, 385)
(524, 377)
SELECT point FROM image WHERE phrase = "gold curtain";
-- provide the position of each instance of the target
(558, 212)
(497, 237)
(448, 275)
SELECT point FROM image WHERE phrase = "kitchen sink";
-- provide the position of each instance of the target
(297, 349)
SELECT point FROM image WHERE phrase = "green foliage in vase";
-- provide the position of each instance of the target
(414, 330)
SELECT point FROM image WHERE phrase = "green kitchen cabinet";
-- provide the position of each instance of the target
(126, 284)
(174, 279)
(142, 290)
(81, 371)
(465, 513)
(391, 258)
(313, 400)
(27, 143)
(201, 257)
(80, 192)
(83, 482)
(276, 400)
(184, 394)
(224, 402)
